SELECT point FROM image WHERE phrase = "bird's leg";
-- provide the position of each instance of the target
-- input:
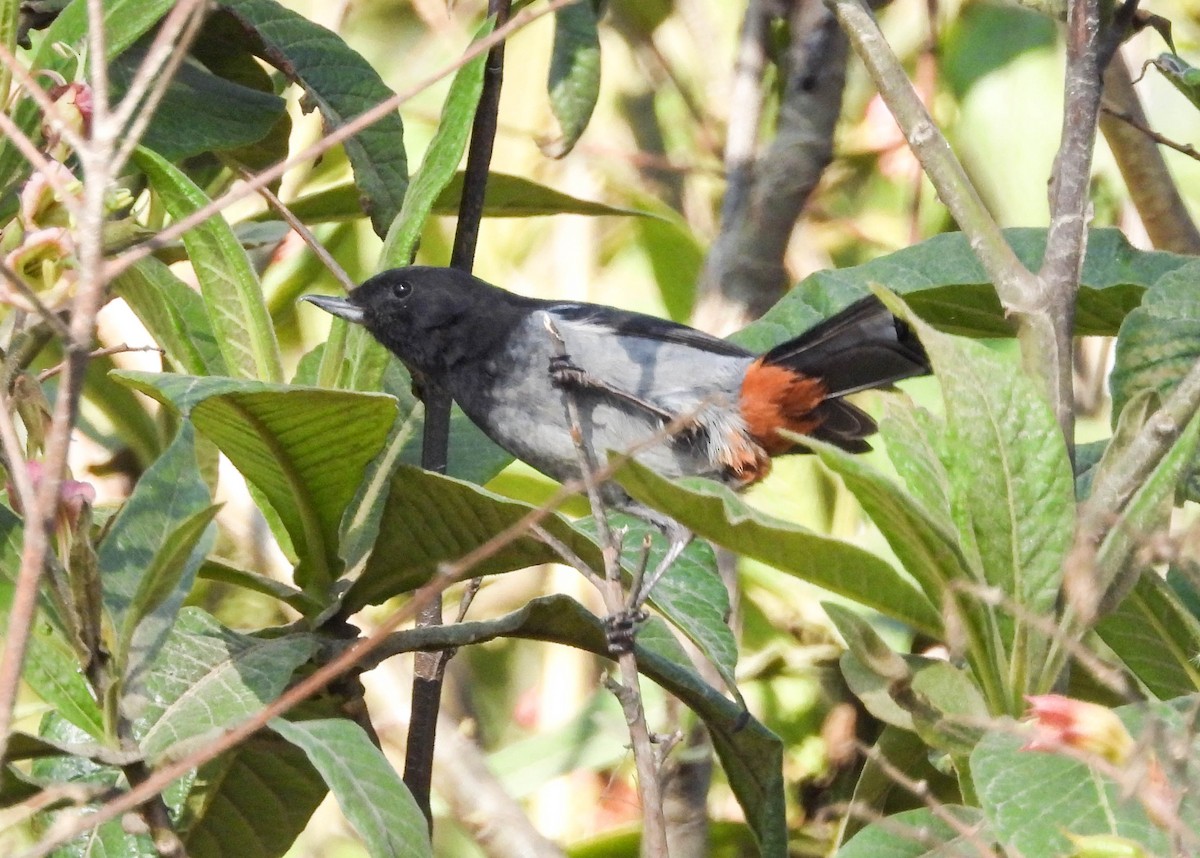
(567, 375)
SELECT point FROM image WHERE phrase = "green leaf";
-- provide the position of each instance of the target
(199, 112)
(1013, 492)
(943, 282)
(751, 755)
(109, 840)
(305, 449)
(1147, 513)
(929, 552)
(1181, 75)
(505, 196)
(228, 283)
(252, 801)
(207, 679)
(52, 667)
(714, 512)
(369, 792)
(342, 85)
(125, 21)
(1033, 799)
(922, 833)
(1159, 341)
(914, 438)
(150, 555)
(441, 160)
(429, 519)
(1156, 637)
(574, 83)
(53, 671)
(173, 314)
(226, 573)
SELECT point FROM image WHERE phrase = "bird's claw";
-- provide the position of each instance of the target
(620, 628)
(565, 373)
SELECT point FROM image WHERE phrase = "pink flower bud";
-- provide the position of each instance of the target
(73, 105)
(1060, 722)
(74, 496)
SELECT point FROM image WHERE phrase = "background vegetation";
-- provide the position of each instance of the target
(213, 495)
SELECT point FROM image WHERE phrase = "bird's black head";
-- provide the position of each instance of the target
(430, 318)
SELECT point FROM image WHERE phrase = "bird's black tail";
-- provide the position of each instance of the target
(863, 347)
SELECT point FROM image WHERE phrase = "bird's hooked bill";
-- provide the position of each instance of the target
(339, 307)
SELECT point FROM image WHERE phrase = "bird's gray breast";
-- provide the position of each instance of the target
(511, 396)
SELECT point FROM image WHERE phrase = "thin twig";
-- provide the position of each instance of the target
(654, 831)
(1182, 148)
(104, 352)
(166, 54)
(40, 517)
(14, 454)
(318, 249)
(1014, 283)
(39, 161)
(1153, 190)
(338, 135)
(921, 791)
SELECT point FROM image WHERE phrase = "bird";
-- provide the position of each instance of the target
(511, 362)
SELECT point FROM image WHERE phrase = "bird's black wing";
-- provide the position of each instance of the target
(628, 324)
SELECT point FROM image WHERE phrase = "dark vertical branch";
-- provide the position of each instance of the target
(744, 273)
(1066, 240)
(429, 668)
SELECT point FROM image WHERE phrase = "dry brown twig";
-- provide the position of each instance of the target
(627, 691)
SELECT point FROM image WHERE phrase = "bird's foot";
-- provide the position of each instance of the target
(620, 629)
(567, 375)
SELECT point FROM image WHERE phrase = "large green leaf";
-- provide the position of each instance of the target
(252, 801)
(1012, 489)
(429, 519)
(173, 314)
(1160, 340)
(751, 755)
(922, 833)
(207, 679)
(1156, 637)
(228, 283)
(505, 196)
(304, 448)
(1148, 512)
(716, 513)
(125, 21)
(370, 793)
(1032, 800)
(200, 112)
(151, 552)
(943, 282)
(574, 83)
(441, 160)
(342, 85)
(914, 438)
(109, 840)
(52, 667)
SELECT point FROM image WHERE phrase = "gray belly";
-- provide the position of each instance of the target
(525, 413)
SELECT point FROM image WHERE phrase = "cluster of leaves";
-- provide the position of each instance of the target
(981, 522)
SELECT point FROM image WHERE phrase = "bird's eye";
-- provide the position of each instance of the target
(401, 290)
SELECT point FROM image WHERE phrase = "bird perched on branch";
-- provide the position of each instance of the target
(511, 361)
